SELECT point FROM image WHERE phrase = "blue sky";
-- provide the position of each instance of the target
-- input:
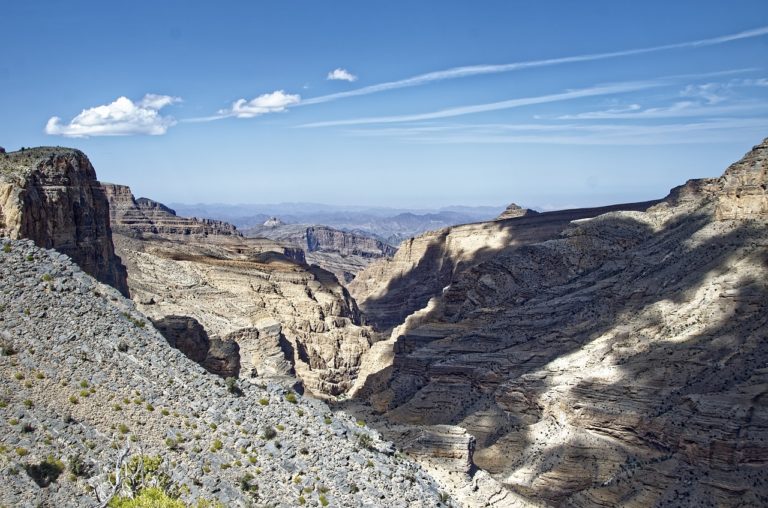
(549, 104)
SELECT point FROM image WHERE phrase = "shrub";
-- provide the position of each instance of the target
(78, 467)
(264, 402)
(323, 500)
(291, 397)
(360, 423)
(232, 387)
(150, 407)
(123, 428)
(280, 427)
(152, 497)
(46, 472)
(327, 420)
(217, 445)
(73, 399)
(46, 277)
(83, 384)
(28, 404)
(7, 248)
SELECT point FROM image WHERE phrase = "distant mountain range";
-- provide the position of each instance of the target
(391, 225)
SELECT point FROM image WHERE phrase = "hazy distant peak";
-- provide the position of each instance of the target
(273, 222)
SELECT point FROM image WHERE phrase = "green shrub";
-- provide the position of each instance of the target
(46, 277)
(323, 500)
(7, 248)
(264, 402)
(232, 387)
(217, 445)
(78, 467)
(152, 497)
(123, 428)
(73, 399)
(291, 397)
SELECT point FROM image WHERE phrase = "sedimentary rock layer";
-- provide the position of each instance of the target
(51, 196)
(622, 363)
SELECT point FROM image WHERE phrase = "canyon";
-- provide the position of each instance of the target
(588, 357)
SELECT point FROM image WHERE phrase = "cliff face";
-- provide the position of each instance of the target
(389, 290)
(285, 317)
(622, 363)
(142, 216)
(51, 196)
(340, 252)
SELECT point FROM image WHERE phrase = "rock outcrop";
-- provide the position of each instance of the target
(92, 394)
(514, 211)
(237, 289)
(619, 363)
(51, 196)
(340, 252)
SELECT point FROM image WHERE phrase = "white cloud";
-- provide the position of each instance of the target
(341, 75)
(474, 70)
(274, 102)
(123, 117)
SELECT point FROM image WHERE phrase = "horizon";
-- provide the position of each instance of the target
(551, 106)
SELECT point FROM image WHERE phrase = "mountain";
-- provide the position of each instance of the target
(390, 225)
(597, 359)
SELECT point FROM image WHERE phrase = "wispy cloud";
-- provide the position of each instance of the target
(679, 109)
(341, 75)
(712, 131)
(608, 89)
(475, 70)
(123, 117)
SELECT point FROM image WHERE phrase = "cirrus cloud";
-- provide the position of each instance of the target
(122, 117)
(341, 75)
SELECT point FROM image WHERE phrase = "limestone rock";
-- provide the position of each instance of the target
(232, 286)
(51, 196)
(87, 381)
(341, 252)
(620, 361)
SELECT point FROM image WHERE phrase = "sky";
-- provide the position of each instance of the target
(549, 104)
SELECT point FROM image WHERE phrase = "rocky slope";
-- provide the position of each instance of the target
(51, 196)
(90, 392)
(340, 252)
(285, 317)
(389, 290)
(621, 363)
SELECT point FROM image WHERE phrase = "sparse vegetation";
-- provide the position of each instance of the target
(264, 402)
(217, 445)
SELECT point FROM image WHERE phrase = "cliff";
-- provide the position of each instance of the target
(142, 216)
(621, 362)
(341, 252)
(51, 196)
(266, 313)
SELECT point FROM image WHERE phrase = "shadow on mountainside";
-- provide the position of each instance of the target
(410, 290)
(489, 359)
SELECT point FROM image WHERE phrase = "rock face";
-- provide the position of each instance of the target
(185, 334)
(142, 216)
(340, 252)
(89, 386)
(621, 363)
(389, 290)
(286, 317)
(51, 196)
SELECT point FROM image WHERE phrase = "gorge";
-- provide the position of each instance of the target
(586, 357)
